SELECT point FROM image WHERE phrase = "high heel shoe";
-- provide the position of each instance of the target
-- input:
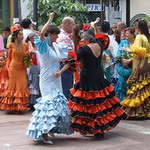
(47, 141)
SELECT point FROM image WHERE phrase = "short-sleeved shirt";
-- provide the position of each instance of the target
(65, 38)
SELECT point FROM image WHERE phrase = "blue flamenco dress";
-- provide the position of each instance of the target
(51, 111)
(123, 73)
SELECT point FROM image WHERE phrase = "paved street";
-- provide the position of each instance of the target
(128, 135)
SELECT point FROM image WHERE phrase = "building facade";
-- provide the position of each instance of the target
(139, 9)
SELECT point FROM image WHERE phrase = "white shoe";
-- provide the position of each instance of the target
(47, 142)
(52, 134)
(83, 134)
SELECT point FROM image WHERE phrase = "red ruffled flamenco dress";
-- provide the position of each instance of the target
(92, 102)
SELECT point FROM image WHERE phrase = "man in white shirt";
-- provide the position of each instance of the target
(65, 39)
(26, 24)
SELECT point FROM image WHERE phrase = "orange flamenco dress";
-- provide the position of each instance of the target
(3, 79)
(16, 96)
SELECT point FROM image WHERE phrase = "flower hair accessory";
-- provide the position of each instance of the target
(104, 39)
(14, 28)
(86, 27)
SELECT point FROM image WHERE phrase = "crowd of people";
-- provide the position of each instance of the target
(75, 77)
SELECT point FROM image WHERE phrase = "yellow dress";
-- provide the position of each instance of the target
(137, 100)
(16, 95)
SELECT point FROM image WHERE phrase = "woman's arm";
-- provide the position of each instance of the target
(45, 27)
(9, 58)
(57, 74)
(96, 30)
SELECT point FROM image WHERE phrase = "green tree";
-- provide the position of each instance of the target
(62, 8)
(1, 26)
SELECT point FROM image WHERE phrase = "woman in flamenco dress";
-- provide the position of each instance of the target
(16, 96)
(92, 102)
(137, 100)
(51, 113)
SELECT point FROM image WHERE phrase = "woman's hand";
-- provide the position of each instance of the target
(126, 62)
(57, 74)
(46, 26)
(126, 49)
(51, 16)
(27, 54)
(97, 20)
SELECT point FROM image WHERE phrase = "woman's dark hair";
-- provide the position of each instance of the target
(14, 36)
(89, 35)
(76, 35)
(28, 39)
(53, 29)
(143, 27)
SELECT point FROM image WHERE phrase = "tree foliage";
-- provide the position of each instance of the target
(62, 8)
(2, 25)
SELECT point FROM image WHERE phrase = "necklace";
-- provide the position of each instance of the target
(19, 46)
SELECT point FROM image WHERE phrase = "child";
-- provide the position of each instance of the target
(33, 71)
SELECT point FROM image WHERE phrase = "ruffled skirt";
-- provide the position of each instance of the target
(50, 115)
(94, 111)
(14, 100)
(3, 85)
(137, 100)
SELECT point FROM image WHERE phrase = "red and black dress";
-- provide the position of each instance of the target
(92, 102)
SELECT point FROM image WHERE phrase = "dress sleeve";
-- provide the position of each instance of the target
(74, 58)
(138, 41)
(123, 44)
(42, 46)
(137, 48)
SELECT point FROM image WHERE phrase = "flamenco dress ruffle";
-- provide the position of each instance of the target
(51, 115)
(136, 102)
(14, 100)
(3, 80)
(94, 107)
